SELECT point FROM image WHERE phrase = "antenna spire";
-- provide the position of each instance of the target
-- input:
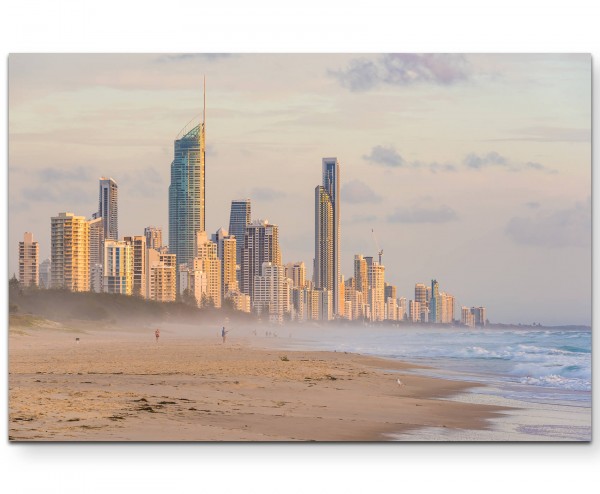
(204, 109)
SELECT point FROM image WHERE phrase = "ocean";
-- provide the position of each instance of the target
(545, 374)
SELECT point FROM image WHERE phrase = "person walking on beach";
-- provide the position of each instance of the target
(157, 334)
(224, 334)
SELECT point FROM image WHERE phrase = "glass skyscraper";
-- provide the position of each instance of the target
(239, 218)
(187, 192)
(108, 208)
(331, 185)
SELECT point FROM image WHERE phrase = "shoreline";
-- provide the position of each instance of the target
(118, 384)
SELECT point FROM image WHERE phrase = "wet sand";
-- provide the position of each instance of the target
(120, 385)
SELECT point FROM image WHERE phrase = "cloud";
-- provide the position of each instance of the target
(443, 214)
(532, 205)
(76, 174)
(266, 194)
(402, 69)
(385, 156)
(475, 161)
(388, 156)
(571, 227)
(357, 192)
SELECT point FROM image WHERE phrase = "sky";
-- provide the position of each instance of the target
(472, 169)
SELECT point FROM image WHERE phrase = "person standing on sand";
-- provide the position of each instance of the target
(224, 334)
(157, 334)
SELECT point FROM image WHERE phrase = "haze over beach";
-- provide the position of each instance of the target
(474, 170)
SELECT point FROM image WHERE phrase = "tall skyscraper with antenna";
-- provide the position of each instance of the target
(187, 192)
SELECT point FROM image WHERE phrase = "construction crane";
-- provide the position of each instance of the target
(379, 251)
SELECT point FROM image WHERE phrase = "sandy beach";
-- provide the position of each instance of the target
(118, 384)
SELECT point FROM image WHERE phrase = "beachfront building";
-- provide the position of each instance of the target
(402, 308)
(423, 295)
(325, 304)
(240, 301)
(361, 274)
(117, 267)
(391, 309)
(270, 295)
(187, 191)
(435, 304)
(193, 283)
(96, 233)
(226, 252)
(323, 270)
(29, 253)
(447, 308)
(296, 271)
(467, 317)
(297, 303)
(377, 290)
(261, 244)
(331, 184)
(414, 311)
(153, 236)
(70, 255)
(207, 260)
(161, 276)
(139, 247)
(239, 219)
(108, 208)
(45, 276)
(479, 316)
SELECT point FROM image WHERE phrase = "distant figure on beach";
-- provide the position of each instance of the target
(76, 340)
(224, 334)
(157, 334)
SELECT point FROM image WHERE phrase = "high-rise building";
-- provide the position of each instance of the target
(187, 192)
(45, 273)
(479, 316)
(435, 305)
(70, 255)
(390, 291)
(331, 183)
(402, 308)
(226, 252)
(207, 260)
(270, 292)
(261, 244)
(108, 208)
(161, 275)
(193, 280)
(96, 229)
(324, 303)
(139, 246)
(414, 311)
(239, 219)
(153, 236)
(377, 291)
(29, 252)
(323, 272)
(467, 317)
(296, 271)
(361, 274)
(447, 308)
(118, 267)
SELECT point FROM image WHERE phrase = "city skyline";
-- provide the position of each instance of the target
(419, 228)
